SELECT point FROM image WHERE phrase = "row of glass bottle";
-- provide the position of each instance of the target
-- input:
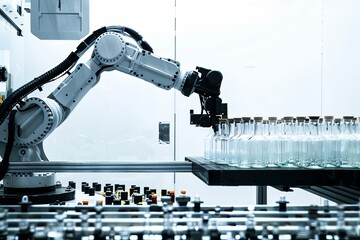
(310, 142)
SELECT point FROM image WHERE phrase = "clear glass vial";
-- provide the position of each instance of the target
(329, 143)
(241, 143)
(235, 132)
(347, 141)
(302, 139)
(257, 145)
(208, 145)
(314, 144)
(274, 143)
(288, 143)
(221, 143)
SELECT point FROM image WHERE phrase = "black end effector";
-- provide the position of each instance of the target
(207, 84)
(211, 118)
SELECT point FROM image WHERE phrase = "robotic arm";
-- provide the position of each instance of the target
(33, 119)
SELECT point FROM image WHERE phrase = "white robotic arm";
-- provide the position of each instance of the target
(35, 118)
(111, 52)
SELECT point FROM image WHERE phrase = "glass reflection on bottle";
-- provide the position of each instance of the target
(346, 142)
(314, 144)
(329, 143)
(274, 143)
(241, 143)
(256, 145)
(302, 138)
(208, 145)
(221, 142)
(288, 144)
(234, 125)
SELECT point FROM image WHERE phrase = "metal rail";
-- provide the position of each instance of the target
(102, 166)
(11, 16)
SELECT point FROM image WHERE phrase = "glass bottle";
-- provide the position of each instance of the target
(239, 125)
(241, 143)
(347, 140)
(280, 133)
(221, 143)
(357, 134)
(288, 142)
(302, 139)
(208, 145)
(256, 145)
(329, 143)
(266, 146)
(355, 144)
(314, 144)
(338, 142)
(321, 129)
(215, 139)
(232, 138)
(274, 143)
(296, 140)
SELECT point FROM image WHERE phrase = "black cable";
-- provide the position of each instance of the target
(139, 39)
(17, 96)
(4, 166)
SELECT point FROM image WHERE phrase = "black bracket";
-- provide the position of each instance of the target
(204, 120)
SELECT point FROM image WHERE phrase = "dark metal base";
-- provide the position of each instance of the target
(338, 194)
(59, 193)
(25, 191)
(224, 175)
(341, 185)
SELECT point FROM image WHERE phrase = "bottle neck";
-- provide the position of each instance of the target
(273, 129)
(288, 128)
(327, 128)
(239, 128)
(357, 128)
(314, 128)
(300, 128)
(248, 128)
(346, 128)
(336, 128)
(353, 127)
(258, 128)
(265, 129)
(224, 129)
(232, 129)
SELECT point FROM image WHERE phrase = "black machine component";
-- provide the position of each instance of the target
(183, 199)
(208, 87)
(121, 218)
(338, 185)
(3, 74)
(27, 221)
(58, 193)
(282, 204)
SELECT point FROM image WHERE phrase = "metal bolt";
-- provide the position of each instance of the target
(25, 198)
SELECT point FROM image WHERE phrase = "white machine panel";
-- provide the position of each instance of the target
(60, 19)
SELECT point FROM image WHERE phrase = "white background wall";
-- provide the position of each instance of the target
(278, 58)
